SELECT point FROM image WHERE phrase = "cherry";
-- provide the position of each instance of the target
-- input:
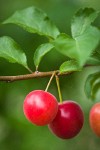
(94, 118)
(68, 121)
(40, 107)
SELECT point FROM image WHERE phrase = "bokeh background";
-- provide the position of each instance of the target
(16, 133)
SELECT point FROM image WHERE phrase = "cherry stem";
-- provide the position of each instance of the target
(50, 81)
(59, 90)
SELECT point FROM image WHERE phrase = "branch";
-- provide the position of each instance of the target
(35, 74)
(30, 76)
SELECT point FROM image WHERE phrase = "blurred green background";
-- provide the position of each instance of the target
(16, 133)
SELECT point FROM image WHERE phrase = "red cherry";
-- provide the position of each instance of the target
(68, 121)
(94, 118)
(40, 107)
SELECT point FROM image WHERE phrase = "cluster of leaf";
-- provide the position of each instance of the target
(79, 47)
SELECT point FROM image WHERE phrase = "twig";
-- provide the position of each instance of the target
(35, 75)
(30, 76)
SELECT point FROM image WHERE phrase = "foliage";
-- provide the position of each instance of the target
(92, 85)
(70, 65)
(34, 20)
(11, 51)
(77, 48)
(40, 52)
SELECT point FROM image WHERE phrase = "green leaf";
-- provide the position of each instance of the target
(40, 52)
(82, 20)
(34, 20)
(94, 59)
(11, 51)
(68, 66)
(92, 85)
(79, 47)
(95, 89)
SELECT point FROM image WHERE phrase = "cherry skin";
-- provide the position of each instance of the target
(94, 118)
(40, 107)
(68, 121)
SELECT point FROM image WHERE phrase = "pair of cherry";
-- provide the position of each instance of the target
(64, 119)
